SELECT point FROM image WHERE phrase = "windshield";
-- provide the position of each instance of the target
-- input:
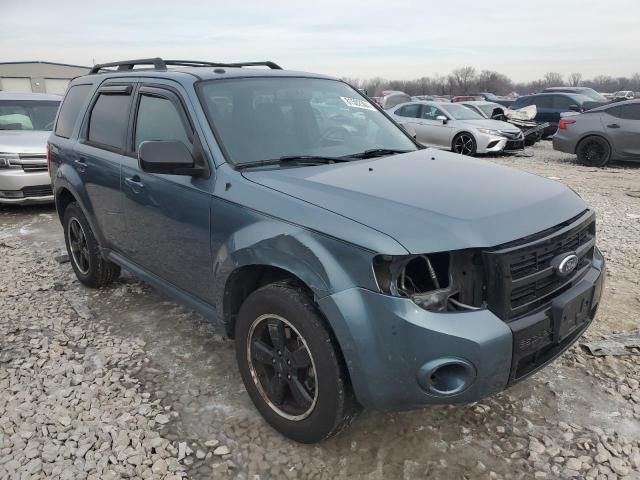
(460, 112)
(259, 119)
(27, 114)
(593, 95)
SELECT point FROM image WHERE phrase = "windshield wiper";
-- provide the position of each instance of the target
(377, 152)
(304, 159)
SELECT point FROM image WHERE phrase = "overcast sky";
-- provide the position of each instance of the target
(395, 40)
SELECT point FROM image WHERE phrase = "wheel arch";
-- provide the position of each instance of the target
(594, 134)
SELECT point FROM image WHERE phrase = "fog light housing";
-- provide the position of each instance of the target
(444, 377)
(11, 194)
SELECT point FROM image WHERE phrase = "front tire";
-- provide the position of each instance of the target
(464, 144)
(594, 151)
(291, 366)
(91, 269)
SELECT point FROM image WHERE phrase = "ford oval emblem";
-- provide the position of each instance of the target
(566, 264)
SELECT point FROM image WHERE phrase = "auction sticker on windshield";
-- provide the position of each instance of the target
(357, 103)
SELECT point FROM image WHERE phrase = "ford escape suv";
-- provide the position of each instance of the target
(26, 120)
(353, 267)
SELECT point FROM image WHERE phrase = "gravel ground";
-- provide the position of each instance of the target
(124, 383)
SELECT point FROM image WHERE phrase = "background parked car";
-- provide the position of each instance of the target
(551, 105)
(586, 91)
(624, 95)
(26, 120)
(454, 127)
(610, 132)
(531, 130)
(465, 98)
(390, 99)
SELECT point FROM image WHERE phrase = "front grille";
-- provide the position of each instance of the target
(520, 276)
(514, 145)
(37, 191)
(511, 135)
(32, 162)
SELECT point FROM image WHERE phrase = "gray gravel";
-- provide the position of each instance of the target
(124, 383)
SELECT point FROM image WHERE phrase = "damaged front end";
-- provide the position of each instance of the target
(438, 282)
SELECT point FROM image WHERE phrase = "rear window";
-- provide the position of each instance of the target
(27, 114)
(73, 102)
(108, 121)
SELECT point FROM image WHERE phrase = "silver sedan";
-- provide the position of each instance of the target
(457, 128)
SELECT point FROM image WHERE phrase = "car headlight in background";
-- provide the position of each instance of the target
(439, 282)
(488, 131)
(9, 160)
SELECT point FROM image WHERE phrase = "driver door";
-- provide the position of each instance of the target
(167, 216)
(431, 131)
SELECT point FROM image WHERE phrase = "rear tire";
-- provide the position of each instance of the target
(465, 144)
(91, 269)
(291, 366)
(593, 151)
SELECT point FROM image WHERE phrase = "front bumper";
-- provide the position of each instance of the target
(391, 345)
(495, 143)
(25, 188)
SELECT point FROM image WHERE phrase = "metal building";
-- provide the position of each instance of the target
(43, 77)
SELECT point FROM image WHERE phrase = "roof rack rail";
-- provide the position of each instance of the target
(160, 64)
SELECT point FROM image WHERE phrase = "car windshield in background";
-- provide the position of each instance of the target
(27, 114)
(593, 95)
(260, 119)
(460, 112)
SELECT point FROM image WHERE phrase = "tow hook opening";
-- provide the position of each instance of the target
(446, 376)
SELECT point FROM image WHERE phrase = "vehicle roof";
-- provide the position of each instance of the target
(480, 103)
(575, 96)
(202, 73)
(577, 89)
(615, 104)
(29, 96)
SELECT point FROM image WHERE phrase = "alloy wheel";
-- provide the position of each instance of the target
(593, 152)
(78, 246)
(463, 144)
(282, 367)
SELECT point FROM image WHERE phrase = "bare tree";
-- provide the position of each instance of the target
(575, 79)
(462, 79)
(494, 82)
(553, 79)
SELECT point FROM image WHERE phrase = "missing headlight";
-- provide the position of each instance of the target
(438, 282)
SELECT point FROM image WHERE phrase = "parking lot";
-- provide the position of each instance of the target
(123, 382)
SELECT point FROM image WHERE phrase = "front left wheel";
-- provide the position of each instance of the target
(464, 144)
(291, 366)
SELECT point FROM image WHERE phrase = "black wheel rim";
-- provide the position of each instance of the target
(593, 152)
(282, 367)
(463, 144)
(78, 246)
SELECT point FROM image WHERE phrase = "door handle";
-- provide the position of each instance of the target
(134, 183)
(613, 125)
(81, 164)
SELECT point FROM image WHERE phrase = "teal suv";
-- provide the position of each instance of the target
(353, 267)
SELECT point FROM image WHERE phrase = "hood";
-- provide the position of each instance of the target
(23, 141)
(489, 124)
(430, 200)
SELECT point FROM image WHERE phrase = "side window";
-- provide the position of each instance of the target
(159, 119)
(627, 112)
(563, 103)
(429, 112)
(108, 120)
(521, 103)
(545, 101)
(409, 111)
(73, 101)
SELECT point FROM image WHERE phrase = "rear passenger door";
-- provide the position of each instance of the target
(622, 124)
(98, 156)
(167, 216)
(434, 132)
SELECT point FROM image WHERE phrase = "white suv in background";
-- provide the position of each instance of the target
(26, 120)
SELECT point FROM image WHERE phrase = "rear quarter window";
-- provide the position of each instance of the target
(73, 102)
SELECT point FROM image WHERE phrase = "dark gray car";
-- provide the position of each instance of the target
(598, 136)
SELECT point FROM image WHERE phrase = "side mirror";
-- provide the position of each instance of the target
(574, 108)
(167, 157)
(442, 118)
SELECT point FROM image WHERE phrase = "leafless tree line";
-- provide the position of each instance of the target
(467, 80)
